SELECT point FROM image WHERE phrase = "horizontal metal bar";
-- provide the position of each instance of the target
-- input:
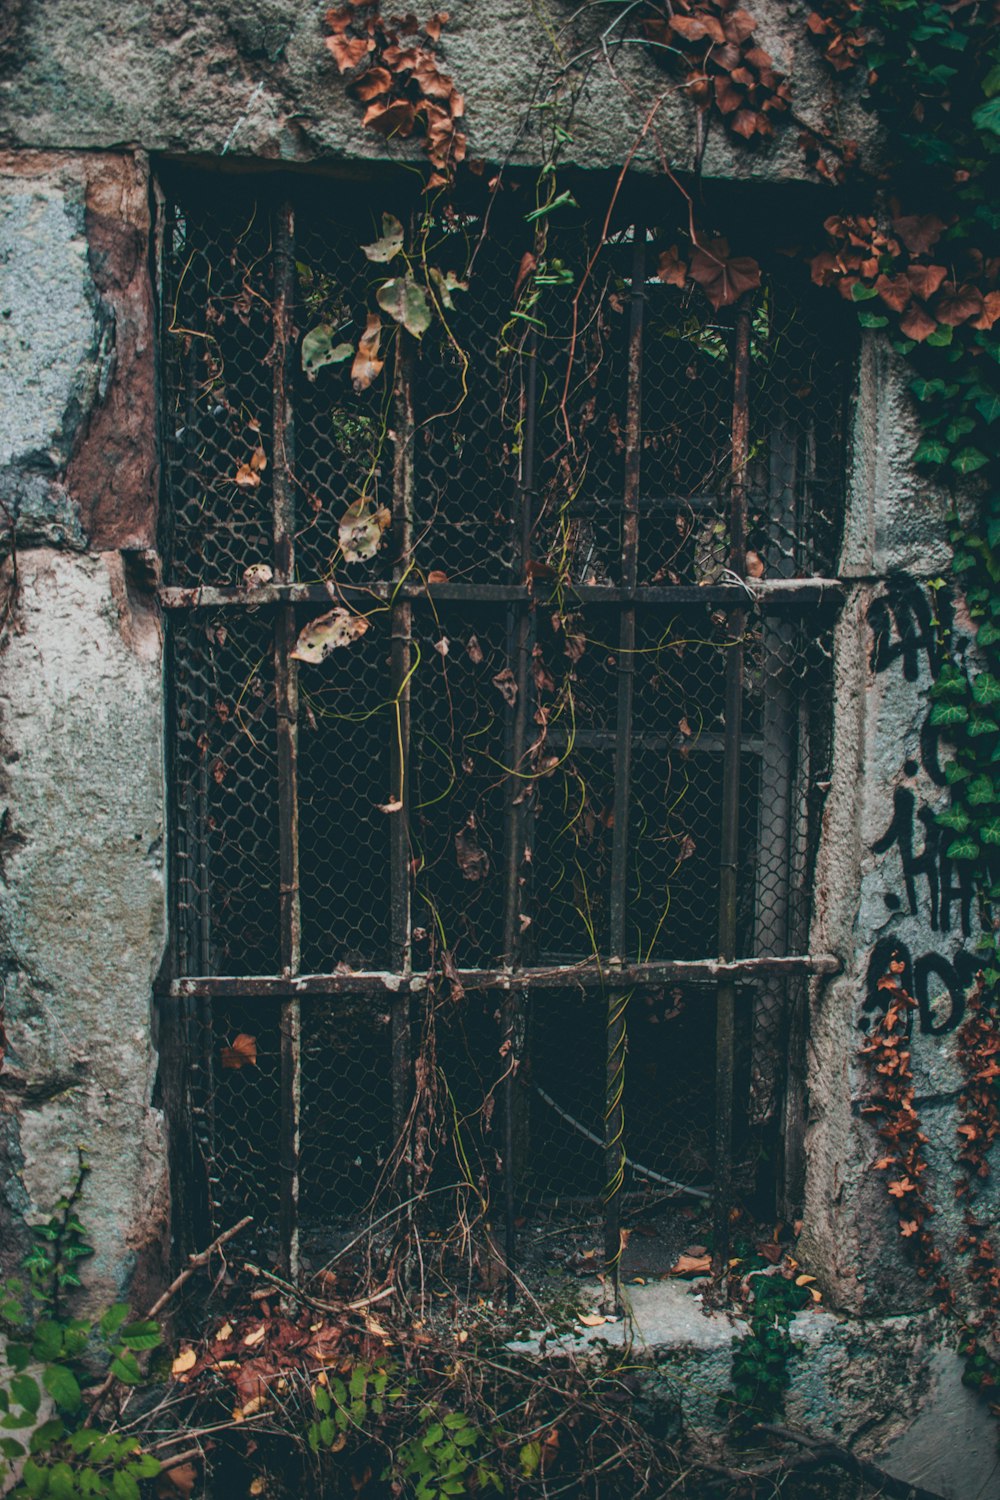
(764, 593)
(604, 739)
(589, 975)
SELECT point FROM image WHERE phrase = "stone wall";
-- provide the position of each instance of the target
(86, 93)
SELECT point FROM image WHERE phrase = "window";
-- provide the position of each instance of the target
(566, 760)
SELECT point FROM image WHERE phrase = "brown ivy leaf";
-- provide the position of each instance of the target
(691, 1265)
(246, 477)
(528, 266)
(957, 304)
(916, 323)
(177, 1480)
(474, 649)
(436, 23)
(919, 232)
(375, 82)
(473, 860)
(670, 268)
(697, 28)
(326, 633)
(747, 123)
(367, 365)
(728, 96)
(925, 280)
(241, 1054)
(348, 51)
(990, 312)
(895, 291)
(722, 279)
(739, 25)
(506, 685)
(394, 117)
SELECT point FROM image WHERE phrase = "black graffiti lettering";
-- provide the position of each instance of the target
(931, 863)
(902, 625)
(930, 979)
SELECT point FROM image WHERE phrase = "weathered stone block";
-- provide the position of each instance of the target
(82, 903)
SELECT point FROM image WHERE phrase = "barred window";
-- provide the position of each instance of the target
(543, 818)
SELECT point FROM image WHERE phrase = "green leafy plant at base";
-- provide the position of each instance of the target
(47, 1353)
(759, 1374)
(444, 1456)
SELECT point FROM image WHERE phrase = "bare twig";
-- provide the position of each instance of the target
(195, 1263)
(826, 1451)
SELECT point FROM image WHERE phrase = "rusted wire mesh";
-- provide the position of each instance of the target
(518, 459)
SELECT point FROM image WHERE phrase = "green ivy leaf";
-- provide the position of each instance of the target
(968, 460)
(931, 452)
(986, 688)
(987, 116)
(988, 407)
(990, 832)
(980, 792)
(872, 320)
(965, 848)
(959, 428)
(949, 713)
(954, 817)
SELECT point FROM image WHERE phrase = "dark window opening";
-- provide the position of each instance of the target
(576, 749)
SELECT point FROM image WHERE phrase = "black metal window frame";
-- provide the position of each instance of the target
(613, 974)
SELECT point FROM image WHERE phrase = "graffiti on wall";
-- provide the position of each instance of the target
(907, 622)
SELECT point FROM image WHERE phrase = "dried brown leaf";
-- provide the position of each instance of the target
(367, 364)
(242, 1052)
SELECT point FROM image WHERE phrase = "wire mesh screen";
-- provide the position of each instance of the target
(555, 727)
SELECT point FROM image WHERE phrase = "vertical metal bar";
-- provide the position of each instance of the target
(521, 632)
(287, 714)
(401, 651)
(614, 1116)
(725, 1040)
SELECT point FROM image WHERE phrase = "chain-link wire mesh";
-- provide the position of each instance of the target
(501, 741)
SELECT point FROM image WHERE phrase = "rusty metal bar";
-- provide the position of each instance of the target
(614, 1112)
(522, 634)
(586, 975)
(725, 1026)
(287, 711)
(399, 756)
(763, 593)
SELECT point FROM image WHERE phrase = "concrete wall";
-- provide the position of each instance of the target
(86, 92)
